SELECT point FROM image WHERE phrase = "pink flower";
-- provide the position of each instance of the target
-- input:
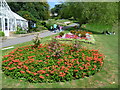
(47, 74)
(42, 77)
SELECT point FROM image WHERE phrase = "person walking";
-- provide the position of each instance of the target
(51, 28)
(55, 27)
(60, 28)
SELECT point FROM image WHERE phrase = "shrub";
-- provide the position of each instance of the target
(37, 40)
(61, 34)
(41, 64)
(71, 28)
(20, 31)
(2, 33)
(48, 25)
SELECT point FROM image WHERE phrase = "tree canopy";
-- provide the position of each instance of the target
(40, 10)
(90, 12)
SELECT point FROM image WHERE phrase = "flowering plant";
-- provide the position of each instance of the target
(41, 65)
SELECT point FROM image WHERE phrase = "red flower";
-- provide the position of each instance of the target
(40, 61)
(12, 52)
(6, 56)
(18, 67)
(12, 68)
(5, 61)
(81, 68)
(34, 73)
(60, 72)
(25, 67)
(31, 56)
(28, 71)
(42, 77)
(41, 71)
(10, 63)
(66, 71)
(17, 60)
(74, 66)
(93, 68)
(47, 74)
(20, 50)
(52, 72)
(76, 70)
(22, 71)
(47, 56)
(6, 67)
(58, 62)
(20, 63)
(95, 61)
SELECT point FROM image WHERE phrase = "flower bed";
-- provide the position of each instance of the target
(79, 35)
(49, 63)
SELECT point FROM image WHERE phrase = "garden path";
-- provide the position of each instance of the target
(17, 40)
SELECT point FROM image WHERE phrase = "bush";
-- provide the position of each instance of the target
(61, 34)
(21, 32)
(54, 62)
(71, 28)
(2, 33)
(48, 25)
(36, 41)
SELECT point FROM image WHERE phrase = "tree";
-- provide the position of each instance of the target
(91, 12)
(40, 10)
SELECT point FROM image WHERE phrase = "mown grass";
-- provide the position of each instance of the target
(106, 78)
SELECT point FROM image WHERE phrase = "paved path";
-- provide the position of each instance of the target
(17, 40)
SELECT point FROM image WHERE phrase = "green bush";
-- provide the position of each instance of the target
(2, 33)
(20, 32)
(71, 28)
(48, 25)
(61, 34)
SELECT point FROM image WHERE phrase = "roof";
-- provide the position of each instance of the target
(17, 16)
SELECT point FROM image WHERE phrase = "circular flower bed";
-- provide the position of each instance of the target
(51, 63)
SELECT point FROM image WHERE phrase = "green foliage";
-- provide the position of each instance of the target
(2, 33)
(20, 31)
(47, 63)
(90, 12)
(48, 25)
(40, 10)
(71, 28)
(27, 15)
(61, 34)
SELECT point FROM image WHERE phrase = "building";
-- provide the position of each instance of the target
(9, 21)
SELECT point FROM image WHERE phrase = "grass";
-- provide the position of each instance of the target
(107, 44)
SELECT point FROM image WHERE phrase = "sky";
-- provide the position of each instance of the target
(52, 3)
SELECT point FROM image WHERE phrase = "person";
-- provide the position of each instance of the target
(60, 28)
(55, 27)
(51, 28)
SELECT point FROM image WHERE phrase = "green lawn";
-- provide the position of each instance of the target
(106, 78)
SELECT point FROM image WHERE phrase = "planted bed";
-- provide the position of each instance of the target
(52, 62)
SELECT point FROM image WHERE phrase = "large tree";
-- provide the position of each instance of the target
(91, 12)
(40, 10)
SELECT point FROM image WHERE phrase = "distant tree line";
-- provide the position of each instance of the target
(88, 12)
